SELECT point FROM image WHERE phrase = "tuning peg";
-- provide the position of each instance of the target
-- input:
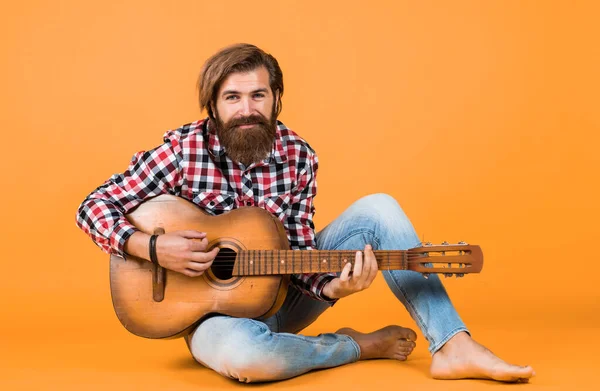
(459, 275)
(428, 244)
(426, 275)
(447, 275)
(462, 243)
(444, 243)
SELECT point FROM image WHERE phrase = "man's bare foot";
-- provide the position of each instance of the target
(393, 342)
(463, 358)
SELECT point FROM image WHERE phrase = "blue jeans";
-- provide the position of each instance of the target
(250, 351)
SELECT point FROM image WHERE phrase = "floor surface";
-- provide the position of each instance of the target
(564, 359)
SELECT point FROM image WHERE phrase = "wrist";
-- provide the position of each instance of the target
(138, 245)
(329, 292)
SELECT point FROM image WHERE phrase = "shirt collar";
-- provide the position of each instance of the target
(277, 152)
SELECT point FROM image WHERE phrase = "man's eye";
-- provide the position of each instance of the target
(231, 97)
(259, 95)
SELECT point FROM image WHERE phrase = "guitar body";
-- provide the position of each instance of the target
(172, 307)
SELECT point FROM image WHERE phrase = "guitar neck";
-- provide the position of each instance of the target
(272, 262)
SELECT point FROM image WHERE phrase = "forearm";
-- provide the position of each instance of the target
(104, 223)
(312, 284)
(138, 245)
(102, 214)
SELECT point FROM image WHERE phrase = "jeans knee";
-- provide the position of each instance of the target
(384, 209)
(248, 366)
(236, 348)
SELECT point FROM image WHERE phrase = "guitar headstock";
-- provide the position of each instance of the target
(448, 259)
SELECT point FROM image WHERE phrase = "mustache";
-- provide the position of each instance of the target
(254, 119)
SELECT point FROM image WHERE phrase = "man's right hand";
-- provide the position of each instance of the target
(185, 252)
(181, 251)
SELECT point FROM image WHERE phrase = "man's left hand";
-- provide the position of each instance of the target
(363, 274)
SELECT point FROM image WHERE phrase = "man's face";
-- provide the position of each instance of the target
(245, 116)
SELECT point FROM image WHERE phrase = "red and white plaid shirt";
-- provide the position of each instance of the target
(192, 164)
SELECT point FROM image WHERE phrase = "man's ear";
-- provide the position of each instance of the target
(212, 110)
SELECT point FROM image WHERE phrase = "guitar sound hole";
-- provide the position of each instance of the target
(222, 266)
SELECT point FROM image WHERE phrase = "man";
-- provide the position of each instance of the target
(241, 155)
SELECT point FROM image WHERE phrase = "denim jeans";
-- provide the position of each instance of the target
(251, 351)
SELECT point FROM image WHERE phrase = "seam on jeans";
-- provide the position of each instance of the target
(438, 346)
(306, 339)
(355, 345)
(256, 324)
(412, 309)
(355, 233)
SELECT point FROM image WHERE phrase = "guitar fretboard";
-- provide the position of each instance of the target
(272, 262)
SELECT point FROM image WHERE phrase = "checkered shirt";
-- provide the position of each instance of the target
(191, 163)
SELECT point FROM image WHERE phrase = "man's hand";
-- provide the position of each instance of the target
(363, 274)
(178, 251)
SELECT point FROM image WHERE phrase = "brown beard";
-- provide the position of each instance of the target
(249, 145)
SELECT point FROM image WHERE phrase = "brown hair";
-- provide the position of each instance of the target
(241, 57)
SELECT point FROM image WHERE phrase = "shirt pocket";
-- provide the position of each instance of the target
(214, 202)
(278, 205)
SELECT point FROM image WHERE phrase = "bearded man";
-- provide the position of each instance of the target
(241, 155)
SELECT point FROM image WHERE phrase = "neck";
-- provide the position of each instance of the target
(270, 262)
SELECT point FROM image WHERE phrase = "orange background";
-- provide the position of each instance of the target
(481, 118)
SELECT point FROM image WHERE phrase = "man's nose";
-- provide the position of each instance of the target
(246, 108)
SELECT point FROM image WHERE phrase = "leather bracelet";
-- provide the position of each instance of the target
(152, 248)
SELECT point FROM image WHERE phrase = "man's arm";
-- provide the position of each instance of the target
(323, 286)
(102, 214)
(301, 230)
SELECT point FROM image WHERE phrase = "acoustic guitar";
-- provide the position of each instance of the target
(250, 274)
